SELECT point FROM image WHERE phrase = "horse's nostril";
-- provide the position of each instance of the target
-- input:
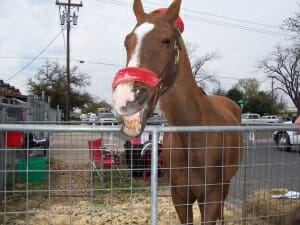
(141, 95)
(124, 110)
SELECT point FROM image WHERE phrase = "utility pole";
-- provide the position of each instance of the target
(65, 19)
(272, 86)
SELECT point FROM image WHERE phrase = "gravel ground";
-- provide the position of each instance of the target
(70, 198)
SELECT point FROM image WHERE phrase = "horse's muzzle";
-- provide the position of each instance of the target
(141, 97)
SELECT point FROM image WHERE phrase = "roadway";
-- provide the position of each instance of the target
(265, 167)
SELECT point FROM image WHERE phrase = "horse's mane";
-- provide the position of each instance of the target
(202, 91)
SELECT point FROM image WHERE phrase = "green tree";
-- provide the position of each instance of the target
(249, 87)
(235, 94)
(257, 101)
(51, 79)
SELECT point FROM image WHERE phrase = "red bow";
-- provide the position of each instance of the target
(178, 23)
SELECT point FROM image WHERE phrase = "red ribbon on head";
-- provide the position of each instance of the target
(129, 74)
(178, 22)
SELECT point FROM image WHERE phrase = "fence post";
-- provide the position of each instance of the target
(154, 173)
(245, 178)
(2, 153)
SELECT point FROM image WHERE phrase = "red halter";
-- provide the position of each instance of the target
(129, 74)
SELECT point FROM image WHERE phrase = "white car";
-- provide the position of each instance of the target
(92, 117)
(270, 119)
(286, 139)
(156, 120)
(107, 118)
(84, 118)
(250, 118)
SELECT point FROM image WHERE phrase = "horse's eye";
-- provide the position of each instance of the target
(166, 41)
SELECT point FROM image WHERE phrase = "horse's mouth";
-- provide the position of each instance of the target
(134, 124)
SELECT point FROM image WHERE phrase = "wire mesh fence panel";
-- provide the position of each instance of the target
(267, 181)
(56, 176)
(56, 183)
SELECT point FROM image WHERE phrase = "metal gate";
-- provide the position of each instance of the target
(61, 182)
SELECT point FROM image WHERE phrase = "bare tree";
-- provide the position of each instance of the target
(283, 66)
(201, 75)
(293, 24)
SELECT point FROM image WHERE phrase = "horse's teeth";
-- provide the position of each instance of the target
(132, 123)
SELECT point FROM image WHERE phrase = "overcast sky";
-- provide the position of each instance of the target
(241, 32)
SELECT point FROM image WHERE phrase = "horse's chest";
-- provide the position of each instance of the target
(192, 150)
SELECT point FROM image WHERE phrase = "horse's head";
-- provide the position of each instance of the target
(152, 57)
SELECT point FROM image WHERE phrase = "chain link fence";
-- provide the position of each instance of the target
(14, 111)
(60, 184)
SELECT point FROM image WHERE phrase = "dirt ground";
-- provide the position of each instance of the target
(70, 199)
(123, 213)
(71, 202)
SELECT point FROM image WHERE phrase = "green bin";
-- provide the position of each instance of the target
(35, 172)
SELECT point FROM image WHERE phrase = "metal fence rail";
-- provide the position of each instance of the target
(33, 110)
(65, 188)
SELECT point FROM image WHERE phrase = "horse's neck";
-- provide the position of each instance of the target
(182, 100)
(185, 75)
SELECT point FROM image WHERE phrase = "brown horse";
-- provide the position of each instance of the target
(199, 166)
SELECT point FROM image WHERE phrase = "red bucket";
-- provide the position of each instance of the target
(14, 138)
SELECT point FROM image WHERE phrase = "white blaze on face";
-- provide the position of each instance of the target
(123, 93)
(140, 33)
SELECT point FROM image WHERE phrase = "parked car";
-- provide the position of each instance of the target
(270, 119)
(84, 118)
(92, 118)
(250, 118)
(156, 119)
(286, 139)
(75, 116)
(107, 118)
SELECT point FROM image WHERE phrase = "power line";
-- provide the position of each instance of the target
(220, 16)
(115, 2)
(237, 26)
(36, 57)
(57, 58)
(113, 65)
(216, 22)
(118, 66)
(101, 63)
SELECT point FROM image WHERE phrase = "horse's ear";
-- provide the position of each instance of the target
(173, 11)
(138, 9)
